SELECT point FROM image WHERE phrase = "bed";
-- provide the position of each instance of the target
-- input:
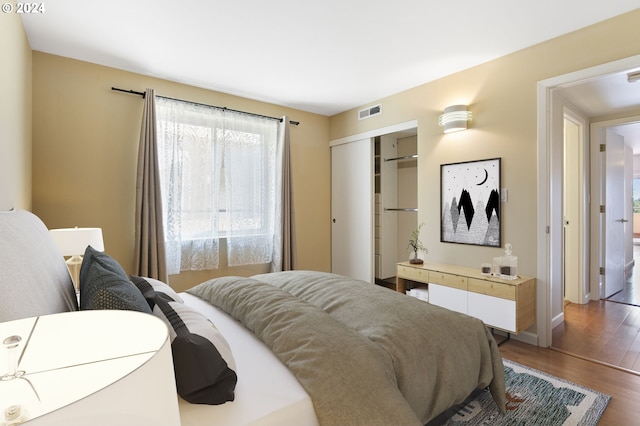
(305, 347)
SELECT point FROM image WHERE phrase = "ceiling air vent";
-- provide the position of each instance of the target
(370, 112)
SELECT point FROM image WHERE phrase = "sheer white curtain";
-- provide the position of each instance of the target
(220, 180)
(251, 161)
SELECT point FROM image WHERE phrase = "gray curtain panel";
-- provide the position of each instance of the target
(288, 225)
(150, 255)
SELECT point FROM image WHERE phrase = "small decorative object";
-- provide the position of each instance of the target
(415, 245)
(508, 264)
(485, 269)
(496, 267)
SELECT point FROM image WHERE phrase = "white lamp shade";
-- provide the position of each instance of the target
(98, 368)
(74, 241)
(455, 118)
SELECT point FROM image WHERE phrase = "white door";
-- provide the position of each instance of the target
(352, 209)
(575, 211)
(614, 214)
(571, 208)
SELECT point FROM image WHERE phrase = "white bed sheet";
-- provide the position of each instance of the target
(267, 393)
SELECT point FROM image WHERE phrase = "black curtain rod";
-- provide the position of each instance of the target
(133, 92)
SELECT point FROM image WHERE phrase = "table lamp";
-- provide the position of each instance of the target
(95, 367)
(73, 242)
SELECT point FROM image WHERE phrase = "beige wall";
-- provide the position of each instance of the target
(15, 114)
(502, 96)
(85, 139)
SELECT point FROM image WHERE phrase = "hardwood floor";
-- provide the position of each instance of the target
(623, 387)
(598, 346)
(603, 331)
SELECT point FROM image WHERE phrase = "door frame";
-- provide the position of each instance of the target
(549, 174)
(400, 127)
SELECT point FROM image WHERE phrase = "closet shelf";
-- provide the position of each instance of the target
(409, 209)
(406, 157)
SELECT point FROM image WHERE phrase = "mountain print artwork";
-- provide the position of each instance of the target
(470, 201)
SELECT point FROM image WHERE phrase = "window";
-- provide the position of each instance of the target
(219, 174)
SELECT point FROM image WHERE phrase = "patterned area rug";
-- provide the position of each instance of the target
(533, 398)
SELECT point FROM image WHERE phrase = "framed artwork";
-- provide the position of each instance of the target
(470, 203)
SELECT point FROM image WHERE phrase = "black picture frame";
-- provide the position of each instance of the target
(470, 203)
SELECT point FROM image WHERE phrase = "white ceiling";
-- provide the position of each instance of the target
(319, 56)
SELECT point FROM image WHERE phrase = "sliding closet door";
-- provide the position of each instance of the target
(352, 209)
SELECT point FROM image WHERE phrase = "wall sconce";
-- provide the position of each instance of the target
(454, 118)
(73, 242)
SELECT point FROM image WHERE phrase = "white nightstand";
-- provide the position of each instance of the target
(91, 367)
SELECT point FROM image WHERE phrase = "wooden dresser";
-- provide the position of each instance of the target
(508, 305)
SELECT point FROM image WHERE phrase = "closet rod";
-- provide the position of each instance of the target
(134, 92)
(400, 210)
(406, 157)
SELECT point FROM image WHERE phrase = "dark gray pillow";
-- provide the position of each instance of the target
(202, 359)
(105, 285)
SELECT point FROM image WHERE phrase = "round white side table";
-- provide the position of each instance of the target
(88, 367)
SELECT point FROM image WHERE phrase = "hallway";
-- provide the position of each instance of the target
(606, 331)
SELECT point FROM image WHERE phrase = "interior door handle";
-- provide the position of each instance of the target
(622, 220)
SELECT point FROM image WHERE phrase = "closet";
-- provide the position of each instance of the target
(373, 204)
(395, 194)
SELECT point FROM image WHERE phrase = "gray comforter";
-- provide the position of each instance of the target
(365, 355)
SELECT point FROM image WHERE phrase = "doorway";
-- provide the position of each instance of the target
(600, 330)
(626, 167)
(616, 142)
(396, 201)
(550, 214)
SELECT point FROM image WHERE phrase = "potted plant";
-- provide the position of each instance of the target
(415, 245)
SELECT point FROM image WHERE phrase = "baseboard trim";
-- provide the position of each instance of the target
(524, 337)
(557, 320)
(527, 337)
(628, 269)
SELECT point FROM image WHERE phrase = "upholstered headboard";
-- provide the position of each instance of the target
(34, 279)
